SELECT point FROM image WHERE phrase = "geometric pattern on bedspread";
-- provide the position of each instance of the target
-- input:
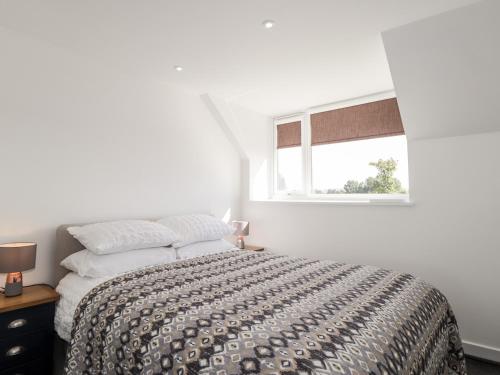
(244, 312)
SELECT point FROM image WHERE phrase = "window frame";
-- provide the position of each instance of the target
(306, 192)
(276, 123)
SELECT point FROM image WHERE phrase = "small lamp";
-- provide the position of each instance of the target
(241, 229)
(14, 258)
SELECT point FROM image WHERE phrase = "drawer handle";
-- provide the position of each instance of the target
(18, 323)
(15, 350)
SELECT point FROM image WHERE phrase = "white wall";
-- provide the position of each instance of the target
(252, 135)
(446, 71)
(80, 143)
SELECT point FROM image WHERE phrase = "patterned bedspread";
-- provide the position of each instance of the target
(245, 312)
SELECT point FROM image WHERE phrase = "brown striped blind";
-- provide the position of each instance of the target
(289, 134)
(369, 120)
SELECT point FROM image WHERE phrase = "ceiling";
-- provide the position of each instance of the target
(320, 51)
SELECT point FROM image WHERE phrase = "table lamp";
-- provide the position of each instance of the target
(14, 258)
(241, 229)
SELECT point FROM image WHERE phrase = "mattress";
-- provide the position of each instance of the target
(244, 312)
(72, 288)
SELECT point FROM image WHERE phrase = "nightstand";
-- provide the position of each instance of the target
(254, 248)
(26, 331)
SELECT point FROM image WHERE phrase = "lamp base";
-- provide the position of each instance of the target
(240, 242)
(13, 284)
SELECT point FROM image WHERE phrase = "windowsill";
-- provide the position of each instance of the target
(339, 202)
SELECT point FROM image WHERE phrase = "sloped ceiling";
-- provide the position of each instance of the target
(320, 51)
(446, 71)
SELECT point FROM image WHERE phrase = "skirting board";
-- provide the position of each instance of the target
(482, 351)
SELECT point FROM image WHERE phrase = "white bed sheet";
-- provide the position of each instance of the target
(72, 288)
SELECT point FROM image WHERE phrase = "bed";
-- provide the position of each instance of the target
(243, 312)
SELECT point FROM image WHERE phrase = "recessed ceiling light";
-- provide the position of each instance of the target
(178, 68)
(268, 24)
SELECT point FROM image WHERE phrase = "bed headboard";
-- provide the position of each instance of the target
(66, 245)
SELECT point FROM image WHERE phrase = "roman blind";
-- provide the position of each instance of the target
(289, 134)
(369, 120)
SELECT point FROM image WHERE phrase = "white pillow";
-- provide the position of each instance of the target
(196, 228)
(204, 248)
(123, 235)
(88, 264)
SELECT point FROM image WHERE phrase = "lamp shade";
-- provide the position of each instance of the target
(17, 256)
(241, 228)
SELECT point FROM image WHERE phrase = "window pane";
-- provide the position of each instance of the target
(370, 166)
(289, 177)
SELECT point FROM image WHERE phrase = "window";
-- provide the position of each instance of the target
(356, 151)
(289, 176)
(352, 167)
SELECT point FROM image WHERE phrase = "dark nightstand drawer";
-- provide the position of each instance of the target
(26, 331)
(37, 367)
(19, 349)
(27, 320)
